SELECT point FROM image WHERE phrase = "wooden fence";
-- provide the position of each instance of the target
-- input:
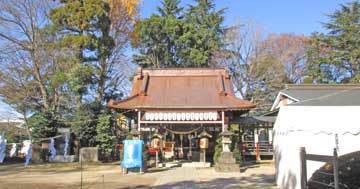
(322, 158)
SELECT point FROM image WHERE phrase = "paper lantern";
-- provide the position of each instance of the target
(178, 116)
(152, 116)
(214, 116)
(161, 116)
(173, 116)
(206, 116)
(147, 116)
(192, 116)
(204, 143)
(156, 116)
(201, 116)
(169, 116)
(187, 116)
(165, 116)
(197, 116)
(183, 116)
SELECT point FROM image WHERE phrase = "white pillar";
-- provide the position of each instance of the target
(139, 122)
(270, 131)
(256, 136)
(223, 120)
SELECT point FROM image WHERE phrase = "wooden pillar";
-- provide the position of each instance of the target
(256, 143)
(223, 125)
(336, 169)
(303, 171)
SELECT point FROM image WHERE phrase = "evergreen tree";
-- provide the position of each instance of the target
(84, 26)
(218, 149)
(335, 57)
(157, 36)
(42, 125)
(105, 134)
(172, 38)
(203, 34)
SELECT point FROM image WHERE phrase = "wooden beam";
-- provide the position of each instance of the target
(321, 158)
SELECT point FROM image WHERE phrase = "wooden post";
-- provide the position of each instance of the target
(223, 126)
(204, 155)
(303, 176)
(156, 159)
(336, 169)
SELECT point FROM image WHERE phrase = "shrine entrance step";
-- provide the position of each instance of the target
(196, 164)
(170, 164)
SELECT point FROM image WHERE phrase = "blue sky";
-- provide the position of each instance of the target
(276, 16)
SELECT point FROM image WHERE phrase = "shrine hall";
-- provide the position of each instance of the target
(179, 105)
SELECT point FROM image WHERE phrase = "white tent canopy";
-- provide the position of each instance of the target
(312, 127)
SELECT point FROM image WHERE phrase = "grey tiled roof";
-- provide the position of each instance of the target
(324, 95)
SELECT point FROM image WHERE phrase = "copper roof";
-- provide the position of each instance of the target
(184, 88)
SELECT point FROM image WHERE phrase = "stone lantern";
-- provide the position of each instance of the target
(226, 161)
(226, 140)
(135, 133)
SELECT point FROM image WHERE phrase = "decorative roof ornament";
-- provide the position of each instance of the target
(204, 134)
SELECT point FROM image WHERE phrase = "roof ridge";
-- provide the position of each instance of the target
(321, 86)
(323, 96)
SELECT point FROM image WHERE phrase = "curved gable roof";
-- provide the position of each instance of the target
(196, 88)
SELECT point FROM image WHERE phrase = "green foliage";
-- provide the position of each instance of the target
(157, 36)
(236, 153)
(145, 153)
(218, 149)
(129, 137)
(84, 26)
(234, 147)
(42, 125)
(176, 39)
(334, 57)
(105, 134)
(203, 34)
(84, 124)
(81, 76)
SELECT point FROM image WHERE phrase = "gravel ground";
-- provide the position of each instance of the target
(101, 176)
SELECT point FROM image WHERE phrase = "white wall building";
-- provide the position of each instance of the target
(310, 116)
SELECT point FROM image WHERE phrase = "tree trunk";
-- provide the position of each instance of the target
(102, 79)
(40, 82)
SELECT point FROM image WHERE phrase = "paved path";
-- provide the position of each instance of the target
(177, 178)
(192, 178)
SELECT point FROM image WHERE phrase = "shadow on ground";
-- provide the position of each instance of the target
(258, 181)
